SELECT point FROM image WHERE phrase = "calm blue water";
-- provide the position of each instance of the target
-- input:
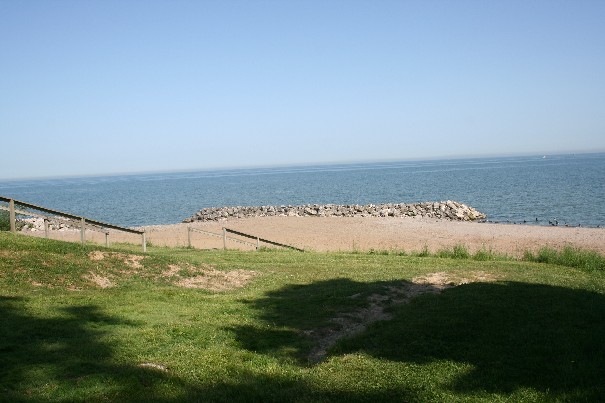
(570, 188)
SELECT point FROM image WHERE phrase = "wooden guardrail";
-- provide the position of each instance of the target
(261, 239)
(83, 221)
(225, 238)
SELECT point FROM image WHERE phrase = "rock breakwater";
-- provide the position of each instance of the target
(448, 210)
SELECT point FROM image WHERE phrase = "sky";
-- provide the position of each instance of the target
(117, 86)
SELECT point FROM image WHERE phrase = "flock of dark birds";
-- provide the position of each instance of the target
(554, 222)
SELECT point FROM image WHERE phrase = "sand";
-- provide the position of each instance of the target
(362, 234)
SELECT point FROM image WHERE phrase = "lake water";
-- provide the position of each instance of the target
(568, 188)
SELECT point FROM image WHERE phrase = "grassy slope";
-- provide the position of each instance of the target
(536, 334)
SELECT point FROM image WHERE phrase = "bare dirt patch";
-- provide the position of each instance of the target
(99, 280)
(36, 284)
(207, 277)
(352, 323)
(173, 270)
(7, 253)
(446, 280)
(216, 280)
(153, 365)
(187, 276)
(133, 261)
(97, 255)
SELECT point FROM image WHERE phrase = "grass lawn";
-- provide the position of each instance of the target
(86, 323)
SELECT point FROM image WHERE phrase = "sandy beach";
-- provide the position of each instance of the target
(362, 234)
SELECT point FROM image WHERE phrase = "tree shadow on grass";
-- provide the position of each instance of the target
(512, 335)
(64, 357)
(295, 317)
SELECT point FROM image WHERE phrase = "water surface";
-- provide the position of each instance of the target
(566, 188)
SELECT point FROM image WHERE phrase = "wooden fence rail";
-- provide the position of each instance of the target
(261, 239)
(225, 238)
(83, 221)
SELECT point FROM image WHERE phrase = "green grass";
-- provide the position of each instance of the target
(458, 252)
(568, 256)
(537, 333)
(4, 220)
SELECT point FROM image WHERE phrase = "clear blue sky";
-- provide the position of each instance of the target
(90, 87)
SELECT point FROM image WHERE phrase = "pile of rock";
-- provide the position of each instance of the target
(35, 224)
(449, 210)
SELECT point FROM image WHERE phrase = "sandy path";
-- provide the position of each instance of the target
(357, 233)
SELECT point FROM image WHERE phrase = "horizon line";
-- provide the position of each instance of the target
(301, 164)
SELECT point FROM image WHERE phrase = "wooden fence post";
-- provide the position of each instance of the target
(83, 230)
(144, 242)
(257, 243)
(11, 215)
(224, 239)
(107, 239)
(46, 228)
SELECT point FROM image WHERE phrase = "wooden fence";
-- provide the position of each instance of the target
(227, 238)
(83, 222)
